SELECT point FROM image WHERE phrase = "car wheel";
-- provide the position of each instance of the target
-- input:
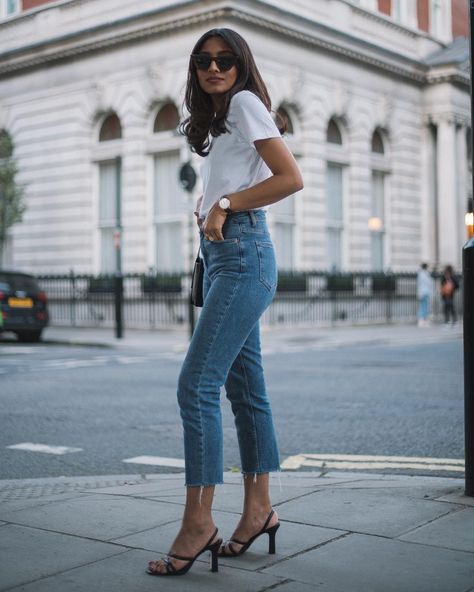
(29, 336)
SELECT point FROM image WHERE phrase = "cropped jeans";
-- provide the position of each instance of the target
(239, 283)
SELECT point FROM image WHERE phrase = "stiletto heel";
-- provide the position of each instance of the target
(214, 555)
(271, 538)
(171, 569)
(245, 545)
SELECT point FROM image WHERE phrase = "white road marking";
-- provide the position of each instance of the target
(132, 360)
(30, 446)
(352, 461)
(156, 460)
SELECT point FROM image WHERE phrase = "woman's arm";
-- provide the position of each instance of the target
(286, 179)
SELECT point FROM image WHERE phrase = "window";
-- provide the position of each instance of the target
(111, 129)
(167, 119)
(405, 12)
(283, 232)
(336, 162)
(108, 214)
(370, 4)
(436, 18)
(333, 134)
(9, 7)
(285, 117)
(377, 143)
(334, 215)
(170, 212)
(377, 220)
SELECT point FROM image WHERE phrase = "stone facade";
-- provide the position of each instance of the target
(389, 191)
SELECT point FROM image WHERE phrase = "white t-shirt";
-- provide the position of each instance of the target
(233, 164)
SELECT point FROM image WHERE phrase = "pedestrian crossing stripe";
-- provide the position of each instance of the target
(352, 461)
(32, 447)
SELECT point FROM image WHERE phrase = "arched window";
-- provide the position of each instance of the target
(167, 119)
(378, 195)
(333, 133)
(377, 143)
(109, 208)
(6, 144)
(111, 128)
(336, 162)
(285, 116)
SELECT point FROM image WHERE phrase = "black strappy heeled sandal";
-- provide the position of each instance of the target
(171, 569)
(245, 545)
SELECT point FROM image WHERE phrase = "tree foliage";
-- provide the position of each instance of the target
(12, 204)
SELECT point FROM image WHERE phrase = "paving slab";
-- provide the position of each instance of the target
(101, 517)
(361, 563)
(454, 531)
(127, 572)
(28, 554)
(297, 587)
(26, 504)
(457, 498)
(386, 513)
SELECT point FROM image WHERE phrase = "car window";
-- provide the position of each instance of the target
(12, 282)
(25, 283)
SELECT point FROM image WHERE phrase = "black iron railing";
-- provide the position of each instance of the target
(316, 297)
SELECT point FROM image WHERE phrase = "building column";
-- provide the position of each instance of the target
(448, 223)
(429, 217)
(462, 193)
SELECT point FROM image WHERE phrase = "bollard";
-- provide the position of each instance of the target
(468, 326)
(118, 293)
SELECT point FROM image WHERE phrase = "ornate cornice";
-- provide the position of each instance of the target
(273, 20)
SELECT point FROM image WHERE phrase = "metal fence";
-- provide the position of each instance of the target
(309, 298)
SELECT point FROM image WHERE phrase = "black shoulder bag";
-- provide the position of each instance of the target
(197, 281)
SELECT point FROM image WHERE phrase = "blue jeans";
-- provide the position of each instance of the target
(239, 283)
(424, 307)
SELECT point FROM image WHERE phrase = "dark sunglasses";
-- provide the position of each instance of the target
(224, 63)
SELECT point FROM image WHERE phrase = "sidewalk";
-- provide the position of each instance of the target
(274, 337)
(342, 532)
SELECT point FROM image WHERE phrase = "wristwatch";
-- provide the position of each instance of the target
(224, 204)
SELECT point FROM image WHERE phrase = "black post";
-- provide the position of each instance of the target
(118, 282)
(468, 322)
(118, 290)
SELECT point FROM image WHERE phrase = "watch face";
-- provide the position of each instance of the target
(224, 203)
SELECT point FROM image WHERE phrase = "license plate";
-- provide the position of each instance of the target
(20, 302)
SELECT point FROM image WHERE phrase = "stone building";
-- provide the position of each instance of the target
(376, 93)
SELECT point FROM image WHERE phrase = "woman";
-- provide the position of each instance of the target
(449, 285)
(424, 290)
(247, 167)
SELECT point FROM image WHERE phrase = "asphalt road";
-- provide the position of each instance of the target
(113, 405)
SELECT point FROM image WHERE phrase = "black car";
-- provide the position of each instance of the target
(23, 305)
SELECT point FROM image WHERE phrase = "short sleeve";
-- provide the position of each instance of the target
(251, 118)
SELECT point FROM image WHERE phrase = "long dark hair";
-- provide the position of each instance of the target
(202, 120)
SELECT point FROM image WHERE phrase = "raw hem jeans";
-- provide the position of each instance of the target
(239, 283)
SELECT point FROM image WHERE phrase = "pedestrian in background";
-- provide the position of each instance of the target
(424, 292)
(448, 287)
(247, 166)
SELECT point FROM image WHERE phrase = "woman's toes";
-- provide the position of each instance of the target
(156, 566)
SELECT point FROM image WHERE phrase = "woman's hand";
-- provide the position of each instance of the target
(212, 226)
